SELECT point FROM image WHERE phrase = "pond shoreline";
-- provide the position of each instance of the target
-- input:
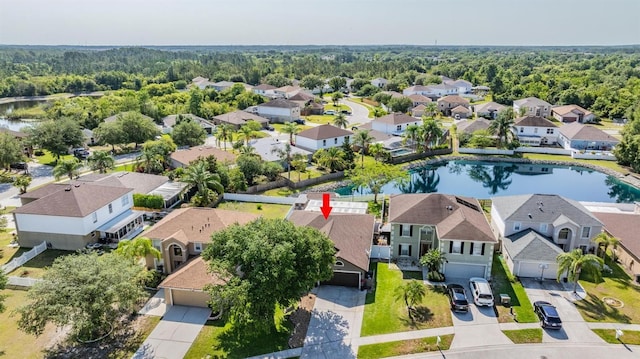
(9, 100)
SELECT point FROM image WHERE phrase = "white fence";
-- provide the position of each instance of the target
(22, 281)
(258, 198)
(484, 151)
(24, 258)
(545, 150)
(380, 252)
(594, 156)
(523, 149)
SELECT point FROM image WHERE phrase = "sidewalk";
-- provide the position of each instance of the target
(392, 337)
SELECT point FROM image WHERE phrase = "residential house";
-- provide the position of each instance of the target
(69, 216)
(488, 110)
(238, 118)
(572, 113)
(576, 136)
(453, 224)
(352, 236)
(279, 110)
(307, 104)
(535, 228)
(480, 90)
(201, 82)
(449, 102)
(469, 127)
(182, 158)
(418, 90)
(323, 136)
(394, 123)
(463, 86)
(461, 112)
(264, 90)
(532, 106)
(418, 111)
(89, 138)
(286, 91)
(269, 148)
(222, 85)
(535, 131)
(441, 90)
(418, 99)
(22, 138)
(169, 121)
(115, 117)
(379, 82)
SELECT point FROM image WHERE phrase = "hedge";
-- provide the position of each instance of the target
(148, 200)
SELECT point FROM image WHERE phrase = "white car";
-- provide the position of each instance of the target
(481, 292)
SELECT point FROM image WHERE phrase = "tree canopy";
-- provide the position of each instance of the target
(375, 176)
(188, 133)
(57, 136)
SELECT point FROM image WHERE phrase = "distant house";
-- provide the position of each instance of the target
(222, 85)
(201, 82)
(286, 91)
(268, 148)
(576, 136)
(418, 90)
(418, 111)
(182, 158)
(467, 126)
(264, 90)
(394, 123)
(461, 112)
(238, 118)
(441, 90)
(89, 139)
(22, 138)
(379, 82)
(169, 121)
(463, 86)
(448, 103)
(489, 110)
(532, 106)
(418, 99)
(279, 110)
(572, 113)
(323, 136)
(69, 216)
(535, 131)
(306, 102)
(480, 90)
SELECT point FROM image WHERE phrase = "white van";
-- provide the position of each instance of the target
(481, 292)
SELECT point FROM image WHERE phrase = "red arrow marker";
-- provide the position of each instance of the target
(326, 207)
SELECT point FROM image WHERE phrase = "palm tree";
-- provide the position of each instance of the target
(502, 125)
(431, 109)
(285, 156)
(137, 248)
(332, 158)
(247, 133)
(605, 240)
(101, 161)
(299, 162)
(70, 168)
(362, 139)
(411, 134)
(225, 133)
(247, 150)
(411, 293)
(152, 162)
(428, 132)
(291, 128)
(341, 121)
(22, 182)
(205, 182)
(336, 97)
(574, 262)
(433, 259)
(377, 150)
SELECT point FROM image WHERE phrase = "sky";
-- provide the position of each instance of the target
(311, 22)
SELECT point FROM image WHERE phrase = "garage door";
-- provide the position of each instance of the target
(460, 270)
(533, 270)
(344, 279)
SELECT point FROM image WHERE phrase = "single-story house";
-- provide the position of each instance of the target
(394, 123)
(238, 118)
(379, 82)
(22, 137)
(418, 111)
(264, 90)
(418, 99)
(489, 110)
(572, 113)
(182, 158)
(468, 126)
(576, 136)
(286, 91)
(89, 139)
(461, 112)
(268, 148)
(169, 121)
(323, 136)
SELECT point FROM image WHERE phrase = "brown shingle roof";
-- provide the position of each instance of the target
(240, 117)
(352, 234)
(265, 87)
(194, 275)
(468, 126)
(455, 217)
(324, 132)
(454, 99)
(419, 98)
(396, 118)
(302, 96)
(279, 103)
(139, 182)
(566, 109)
(187, 156)
(171, 120)
(534, 121)
(578, 131)
(625, 227)
(72, 200)
(460, 109)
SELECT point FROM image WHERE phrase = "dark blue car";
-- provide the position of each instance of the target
(549, 317)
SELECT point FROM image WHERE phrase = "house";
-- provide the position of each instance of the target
(418, 111)
(572, 113)
(622, 221)
(352, 236)
(268, 149)
(323, 136)
(379, 82)
(460, 112)
(441, 90)
(479, 124)
(89, 139)
(480, 90)
(302, 98)
(22, 138)
(418, 99)
(222, 85)
(279, 110)
(449, 102)
(531, 226)
(394, 123)
(238, 118)
(455, 225)
(532, 106)
(535, 131)
(69, 216)
(201, 82)
(286, 91)
(169, 121)
(576, 136)
(141, 183)
(264, 90)
(418, 90)
(182, 158)
(463, 86)
(312, 108)
(488, 110)
(186, 286)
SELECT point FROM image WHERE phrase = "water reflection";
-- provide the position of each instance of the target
(621, 192)
(425, 180)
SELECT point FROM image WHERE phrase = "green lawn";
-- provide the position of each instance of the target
(384, 314)
(524, 336)
(48, 159)
(278, 127)
(217, 340)
(519, 301)
(617, 285)
(36, 267)
(607, 164)
(340, 107)
(267, 210)
(404, 347)
(130, 167)
(628, 336)
(321, 119)
(6, 253)
(280, 192)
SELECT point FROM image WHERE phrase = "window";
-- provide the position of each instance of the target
(94, 216)
(586, 231)
(405, 249)
(339, 264)
(455, 247)
(405, 230)
(549, 131)
(535, 130)
(584, 249)
(346, 138)
(197, 246)
(177, 251)
(110, 208)
(521, 129)
(335, 141)
(543, 228)
(477, 249)
(399, 128)
(516, 226)
(564, 233)
(324, 143)
(125, 200)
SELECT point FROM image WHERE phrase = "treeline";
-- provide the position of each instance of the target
(605, 80)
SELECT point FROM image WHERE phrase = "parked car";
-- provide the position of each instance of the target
(299, 121)
(457, 298)
(270, 128)
(481, 292)
(329, 112)
(549, 317)
(346, 112)
(19, 166)
(81, 153)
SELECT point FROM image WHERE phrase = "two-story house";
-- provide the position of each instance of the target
(264, 90)
(534, 228)
(379, 82)
(489, 110)
(70, 216)
(323, 136)
(394, 123)
(447, 103)
(455, 225)
(535, 131)
(531, 106)
(279, 110)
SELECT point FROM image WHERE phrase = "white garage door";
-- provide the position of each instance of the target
(533, 270)
(460, 270)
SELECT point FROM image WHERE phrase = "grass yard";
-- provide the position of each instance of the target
(524, 336)
(6, 253)
(520, 303)
(340, 107)
(613, 165)
(49, 159)
(280, 192)
(278, 127)
(130, 167)
(321, 119)
(631, 337)
(384, 314)
(267, 210)
(618, 285)
(218, 340)
(404, 347)
(36, 267)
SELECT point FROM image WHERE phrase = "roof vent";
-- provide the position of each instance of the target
(76, 185)
(68, 189)
(530, 216)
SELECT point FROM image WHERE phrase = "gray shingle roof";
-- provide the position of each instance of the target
(530, 245)
(324, 132)
(396, 118)
(542, 208)
(534, 121)
(468, 126)
(578, 131)
(279, 103)
(531, 101)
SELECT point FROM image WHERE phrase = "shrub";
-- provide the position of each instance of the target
(434, 276)
(259, 206)
(148, 200)
(39, 153)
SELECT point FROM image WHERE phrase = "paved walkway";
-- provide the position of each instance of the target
(175, 333)
(155, 306)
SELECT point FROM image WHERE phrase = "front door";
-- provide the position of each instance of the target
(424, 248)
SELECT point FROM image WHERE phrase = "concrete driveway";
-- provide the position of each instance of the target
(574, 329)
(336, 320)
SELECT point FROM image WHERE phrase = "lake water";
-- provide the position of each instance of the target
(16, 125)
(490, 179)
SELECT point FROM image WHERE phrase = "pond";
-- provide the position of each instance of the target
(489, 179)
